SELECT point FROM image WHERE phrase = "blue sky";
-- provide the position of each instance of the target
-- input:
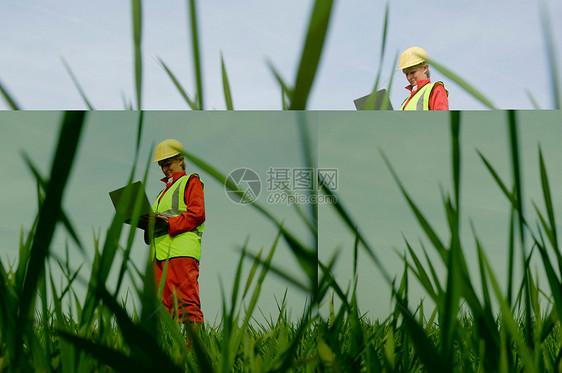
(497, 46)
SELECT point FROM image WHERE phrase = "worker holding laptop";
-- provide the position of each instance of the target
(424, 95)
(181, 206)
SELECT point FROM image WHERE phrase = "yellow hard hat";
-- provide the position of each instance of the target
(411, 57)
(167, 149)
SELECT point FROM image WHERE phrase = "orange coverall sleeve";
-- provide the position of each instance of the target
(438, 99)
(195, 214)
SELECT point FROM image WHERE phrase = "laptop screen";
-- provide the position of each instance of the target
(124, 200)
(379, 102)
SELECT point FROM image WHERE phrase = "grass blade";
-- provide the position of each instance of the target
(77, 85)
(448, 317)
(511, 327)
(114, 359)
(196, 54)
(424, 347)
(535, 103)
(511, 257)
(355, 254)
(236, 285)
(48, 217)
(186, 96)
(510, 196)
(149, 303)
(549, 234)
(429, 231)
(8, 98)
(226, 87)
(346, 217)
(287, 356)
(139, 137)
(266, 266)
(136, 212)
(551, 52)
(463, 83)
(553, 280)
(312, 227)
(282, 274)
(305, 256)
(518, 192)
(516, 169)
(548, 203)
(311, 53)
(137, 33)
(252, 274)
(143, 345)
(481, 267)
(421, 274)
(370, 104)
(285, 90)
(42, 185)
(455, 151)
(384, 33)
(309, 144)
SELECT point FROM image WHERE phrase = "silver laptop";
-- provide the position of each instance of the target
(380, 98)
(125, 198)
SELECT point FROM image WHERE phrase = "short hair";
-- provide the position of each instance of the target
(421, 64)
(424, 64)
(175, 157)
(179, 156)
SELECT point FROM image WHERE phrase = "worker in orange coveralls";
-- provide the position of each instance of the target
(424, 95)
(181, 206)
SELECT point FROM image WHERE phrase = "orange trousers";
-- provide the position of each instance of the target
(182, 279)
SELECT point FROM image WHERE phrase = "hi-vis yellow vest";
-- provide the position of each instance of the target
(173, 204)
(420, 101)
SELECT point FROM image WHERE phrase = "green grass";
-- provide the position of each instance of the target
(473, 326)
(45, 326)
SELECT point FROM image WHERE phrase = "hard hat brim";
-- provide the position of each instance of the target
(163, 158)
(411, 65)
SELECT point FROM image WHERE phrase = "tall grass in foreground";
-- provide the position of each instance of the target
(45, 327)
(42, 333)
(61, 332)
(464, 332)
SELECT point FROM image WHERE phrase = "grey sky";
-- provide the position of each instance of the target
(497, 46)
(418, 147)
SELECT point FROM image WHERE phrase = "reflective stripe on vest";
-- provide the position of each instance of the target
(420, 101)
(173, 204)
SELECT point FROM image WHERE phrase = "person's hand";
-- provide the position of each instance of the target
(162, 217)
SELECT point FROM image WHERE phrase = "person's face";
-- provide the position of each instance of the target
(415, 73)
(170, 166)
